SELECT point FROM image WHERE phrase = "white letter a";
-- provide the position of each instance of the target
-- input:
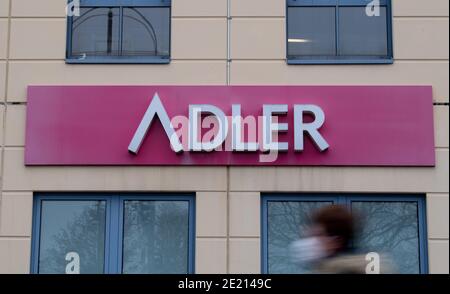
(155, 108)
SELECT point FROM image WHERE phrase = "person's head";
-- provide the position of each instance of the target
(334, 226)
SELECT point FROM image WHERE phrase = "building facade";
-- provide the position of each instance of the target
(228, 215)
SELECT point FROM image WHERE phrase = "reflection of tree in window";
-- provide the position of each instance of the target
(392, 228)
(287, 222)
(84, 234)
(155, 237)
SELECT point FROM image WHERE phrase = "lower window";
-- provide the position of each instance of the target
(392, 225)
(131, 234)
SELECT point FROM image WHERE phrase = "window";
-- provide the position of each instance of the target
(338, 31)
(131, 234)
(394, 225)
(120, 31)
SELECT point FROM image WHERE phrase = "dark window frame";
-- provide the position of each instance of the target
(113, 224)
(346, 199)
(336, 59)
(119, 59)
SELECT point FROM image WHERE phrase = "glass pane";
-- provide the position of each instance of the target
(287, 222)
(391, 228)
(311, 31)
(362, 35)
(156, 237)
(146, 31)
(72, 230)
(96, 32)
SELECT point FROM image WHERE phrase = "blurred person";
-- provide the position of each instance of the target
(328, 249)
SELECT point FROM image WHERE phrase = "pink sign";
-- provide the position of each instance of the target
(293, 125)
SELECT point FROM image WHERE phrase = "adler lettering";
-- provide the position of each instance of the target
(232, 128)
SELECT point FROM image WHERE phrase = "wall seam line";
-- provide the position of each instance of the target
(228, 76)
(3, 139)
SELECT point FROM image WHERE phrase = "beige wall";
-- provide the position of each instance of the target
(32, 46)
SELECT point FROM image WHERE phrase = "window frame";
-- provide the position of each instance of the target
(336, 59)
(119, 59)
(346, 199)
(113, 224)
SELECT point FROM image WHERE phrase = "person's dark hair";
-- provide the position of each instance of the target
(337, 221)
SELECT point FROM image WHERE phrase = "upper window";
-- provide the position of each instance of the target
(394, 226)
(130, 234)
(120, 31)
(339, 31)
